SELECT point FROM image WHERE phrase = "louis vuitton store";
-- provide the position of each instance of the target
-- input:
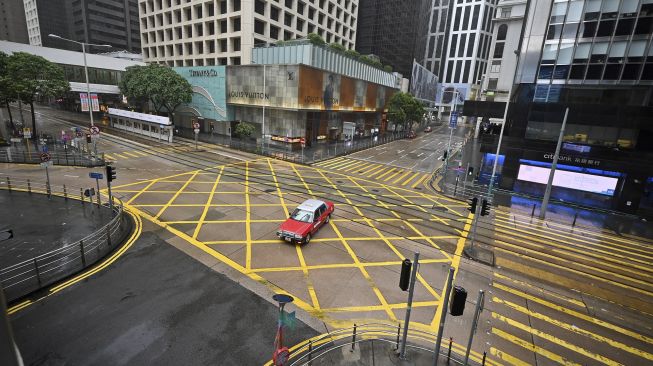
(299, 101)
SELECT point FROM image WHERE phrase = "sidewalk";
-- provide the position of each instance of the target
(524, 205)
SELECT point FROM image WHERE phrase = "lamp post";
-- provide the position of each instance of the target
(453, 109)
(88, 88)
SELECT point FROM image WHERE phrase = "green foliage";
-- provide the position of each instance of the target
(387, 68)
(315, 39)
(353, 53)
(404, 108)
(159, 84)
(244, 129)
(337, 47)
(280, 43)
(29, 75)
(365, 59)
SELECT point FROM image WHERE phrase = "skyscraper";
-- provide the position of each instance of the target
(223, 32)
(596, 59)
(388, 29)
(12, 21)
(113, 22)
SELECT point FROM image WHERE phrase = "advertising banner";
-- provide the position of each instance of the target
(95, 103)
(209, 91)
(423, 83)
(83, 98)
(447, 93)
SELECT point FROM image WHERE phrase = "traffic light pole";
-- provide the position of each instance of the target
(443, 316)
(476, 214)
(477, 313)
(110, 196)
(409, 306)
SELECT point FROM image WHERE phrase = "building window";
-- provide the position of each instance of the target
(461, 47)
(223, 46)
(498, 50)
(506, 11)
(235, 60)
(501, 32)
(235, 24)
(235, 44)
(259, 7)
(259, 27)
(235, 5)
(274, 32)
(223, 26)
(300, 25)
(274, 13)
(599, 52)
(496, 66)
(492, 84)
(288, 4)
(287, 19)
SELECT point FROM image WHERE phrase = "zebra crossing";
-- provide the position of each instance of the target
(379, 172)
(135, 154)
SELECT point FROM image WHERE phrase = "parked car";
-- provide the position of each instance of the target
(412, 135)
(428, 129)
(305, 221)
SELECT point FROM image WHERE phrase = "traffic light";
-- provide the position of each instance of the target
(111, 173)
(444, 157)
(485, 208)
(457, 303)
(404, 280)
(470, 171)
(88, 138)
(472, 205)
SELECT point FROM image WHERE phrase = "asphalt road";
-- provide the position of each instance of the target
(154, 306)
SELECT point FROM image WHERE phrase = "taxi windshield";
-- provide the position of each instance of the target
(302, 215)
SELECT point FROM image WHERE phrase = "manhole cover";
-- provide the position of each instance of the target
(375, 190)
(418, 188)
(269, 190)
(339, 181)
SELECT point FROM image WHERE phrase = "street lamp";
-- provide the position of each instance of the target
(88, 88)
(453, 109)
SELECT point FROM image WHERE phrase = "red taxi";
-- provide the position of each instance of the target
(305, 221)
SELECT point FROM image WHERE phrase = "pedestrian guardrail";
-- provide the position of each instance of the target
(42, 270)
(312, 350)
(72, 158)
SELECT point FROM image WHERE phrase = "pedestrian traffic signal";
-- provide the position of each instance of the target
(470, 170)
(485, 208)
(111, 173)
(88, 138)
(404, 280)
(472, 205)
(444, 157)
(457, 303)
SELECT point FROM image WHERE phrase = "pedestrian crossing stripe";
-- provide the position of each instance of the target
(376, 171)
(386, 173)
(401, 177)
(393, 175)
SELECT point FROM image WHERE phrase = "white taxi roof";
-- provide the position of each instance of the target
(310, 205)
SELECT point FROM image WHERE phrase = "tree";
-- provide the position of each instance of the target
(387, 68)
(315, 39)
(244, 129)
(161, 85)
(30, 76)
(337, 47)
(404, 108)
(5, 93)
(353, 53)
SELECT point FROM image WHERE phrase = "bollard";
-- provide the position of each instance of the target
(398, 332)
(483, 361)
(573, 224)
(38, 275)
(81, 252)
(9, 184)
(310, 352)
(29, 187)
(449, 352)
(65, 193)
(353, 341)
(533, 212)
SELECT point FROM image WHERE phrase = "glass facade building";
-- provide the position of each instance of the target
(594, 57)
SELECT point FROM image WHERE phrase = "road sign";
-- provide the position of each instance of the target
(453, 120)
(45, 157)
(95, 175)
(95, 130)
(303, 141)
(197, 130)
(196, 125)
(27, 133)
(46, 164)
(78, 133)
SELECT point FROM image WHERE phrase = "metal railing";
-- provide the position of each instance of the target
(316, 348)
(33, 274)
(65, 157)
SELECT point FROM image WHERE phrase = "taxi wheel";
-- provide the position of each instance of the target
(308, 239)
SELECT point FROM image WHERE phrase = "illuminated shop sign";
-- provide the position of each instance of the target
(321, 137)
(286, 139)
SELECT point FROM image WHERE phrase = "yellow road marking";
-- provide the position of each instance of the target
(141, 153)
(533, 348)
(343, 164)
(109, 156)
(409, 179)
(375, 171)
(574, 329)
(568, 251)
(130, 154)
(176, 195)
(378, 177)
(370, 168)
(508, 359)
(402, 305)
(541, 290)
(120, 156)
(401, 177)
(419, 181)
(558, 341)
(362, 166)
(91, 270)
(248, 213)
(132, 198)
(394, 175)
(328, 162)
(517, 249)
(208, 205)
(355, 164)
(574, 313)
(342, 265)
